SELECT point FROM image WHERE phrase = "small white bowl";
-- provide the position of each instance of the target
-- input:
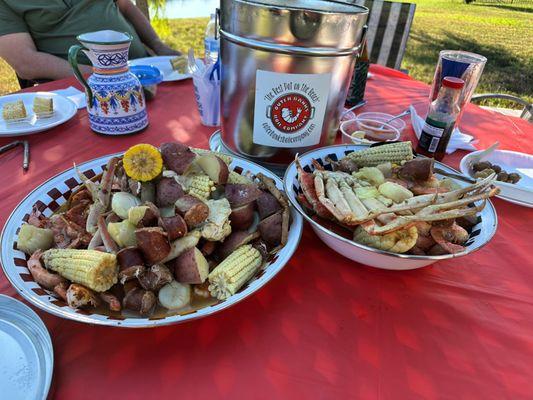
(348, 128)
(384, 117)
(480, 236)
(520, 193)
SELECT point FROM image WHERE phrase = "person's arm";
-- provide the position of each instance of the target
(19, 50)
(143, 28)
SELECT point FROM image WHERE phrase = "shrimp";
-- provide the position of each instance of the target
(80, 296)
(450, 238)
(41, 275)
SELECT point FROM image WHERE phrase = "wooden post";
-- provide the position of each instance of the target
(143, 6)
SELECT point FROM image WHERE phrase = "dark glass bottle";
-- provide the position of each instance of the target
(440, 122)
(356, 92)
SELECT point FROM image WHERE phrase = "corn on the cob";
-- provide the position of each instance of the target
(224, 157)
(142, 162)
(94, 269)
(234, 177)
(234, 271)
(393, 152)
(200, 186)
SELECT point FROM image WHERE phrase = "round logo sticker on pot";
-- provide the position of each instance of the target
(291, 112)
(289, 108)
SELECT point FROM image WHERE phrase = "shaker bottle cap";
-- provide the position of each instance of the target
(452, 82)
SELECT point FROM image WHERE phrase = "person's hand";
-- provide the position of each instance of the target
(162, 49)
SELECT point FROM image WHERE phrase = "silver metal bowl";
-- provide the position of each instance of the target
(481, 234)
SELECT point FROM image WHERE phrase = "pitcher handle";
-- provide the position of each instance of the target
(73, 61)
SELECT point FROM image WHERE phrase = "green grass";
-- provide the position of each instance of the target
(501, 32)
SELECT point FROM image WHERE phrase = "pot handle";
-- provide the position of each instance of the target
(73, 61)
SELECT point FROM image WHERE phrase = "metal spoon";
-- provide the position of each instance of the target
(406, 112)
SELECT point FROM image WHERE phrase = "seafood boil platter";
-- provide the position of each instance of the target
(154, 237)
(386, 208)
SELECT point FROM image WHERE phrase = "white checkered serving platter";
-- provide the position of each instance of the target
(50, 195)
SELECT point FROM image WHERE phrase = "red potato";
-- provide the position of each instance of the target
(419, 169)
(153, 243)
(193, 210)
(140, 300)
(177, 157)
(130, 273)
(191, 267)
(129, 257)
(234, 241)
(175, 226)
(267, 205)
(150, 215)
(208, 248)
(239, 194)
(156, 277)
(167, 192)
(129, 286)
(242, 217)
(270, 229)
(214, 167)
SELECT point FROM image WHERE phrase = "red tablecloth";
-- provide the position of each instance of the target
(325, 327)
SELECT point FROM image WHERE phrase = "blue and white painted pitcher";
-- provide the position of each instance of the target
(115, 98)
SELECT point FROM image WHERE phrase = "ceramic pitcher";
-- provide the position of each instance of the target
(115, 98)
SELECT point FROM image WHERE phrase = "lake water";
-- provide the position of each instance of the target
(189, 8)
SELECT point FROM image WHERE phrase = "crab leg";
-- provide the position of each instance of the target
(440, 198)
(405, 221)
(108, 241)
(328, 204)
(457, 203)
(91, 186)
(104, 193)
(355, 204)
(308, 188)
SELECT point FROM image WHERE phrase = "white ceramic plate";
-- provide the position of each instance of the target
(64, 109)
(51, 194)
(480, 235)
(163, 64)
(520, 193)
(27, 358)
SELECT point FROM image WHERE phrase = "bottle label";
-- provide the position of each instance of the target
(289, 108)
(432, 132)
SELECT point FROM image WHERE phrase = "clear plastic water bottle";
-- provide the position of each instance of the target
(212, 44)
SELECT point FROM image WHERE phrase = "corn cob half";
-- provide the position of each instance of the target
(234, 271)
(224, 157)
(395, 153)
(234, 177)
(200, 186)
(94, 269)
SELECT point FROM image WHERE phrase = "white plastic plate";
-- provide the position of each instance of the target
(64, 109)
(162, 63)
(520, 193)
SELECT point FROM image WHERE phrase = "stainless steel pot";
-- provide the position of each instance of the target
(285, 73)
